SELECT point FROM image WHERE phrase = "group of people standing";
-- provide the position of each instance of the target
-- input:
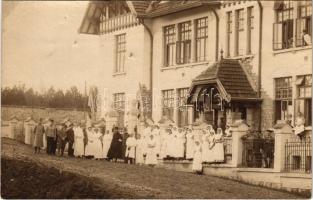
(173, 143)
(54, 139)
(155, 142)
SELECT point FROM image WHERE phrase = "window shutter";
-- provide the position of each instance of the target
(277, 111)
(300, 26)
(165, 56)
(277, 36)
(290, 33)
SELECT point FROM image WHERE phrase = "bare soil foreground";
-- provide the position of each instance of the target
(25, 175)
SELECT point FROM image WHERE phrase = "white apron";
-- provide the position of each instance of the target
(106, 143)
(197, 159)
(89, 146)
(218, 148)
(97, 148)
(151, 158)
(78, 142)
(130, 147)
(190, 146)
(140, 150)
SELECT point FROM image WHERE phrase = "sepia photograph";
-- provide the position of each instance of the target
(151, 99)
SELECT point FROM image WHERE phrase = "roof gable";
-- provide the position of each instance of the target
(97, 10)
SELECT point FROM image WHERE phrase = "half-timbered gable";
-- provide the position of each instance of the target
(108, 16)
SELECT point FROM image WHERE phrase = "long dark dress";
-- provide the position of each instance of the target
(125, 136)
(115, 150)
(70, 139)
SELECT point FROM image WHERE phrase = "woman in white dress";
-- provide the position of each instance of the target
(175, 143)
(89, 146)
(97, 145)
(78, 141)
(205, 147)
(140, 149)
(211, 157)
(181, 143)
(197, 158)
(218, 148)
(190, 143)
(151, 156)
(106, 142)
(172, 144)
(156, 133)
(163, 135)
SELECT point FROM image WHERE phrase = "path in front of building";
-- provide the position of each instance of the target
(133, 181)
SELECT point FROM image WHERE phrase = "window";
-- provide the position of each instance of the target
(239, 28)
(120, 53)
(168, 103)
(119, 101)
(304, 23)
(304, 98)
(170, 43)
(229, 32)
(283, 28)
(201, 39)
(250, 27)
(283, 99)
(182, 108)
(119, 106)
(184, 43)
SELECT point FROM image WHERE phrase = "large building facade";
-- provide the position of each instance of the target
(213, 61)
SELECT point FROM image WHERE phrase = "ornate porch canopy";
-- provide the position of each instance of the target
(229, 78)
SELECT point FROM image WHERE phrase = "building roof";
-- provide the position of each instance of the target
(169, 7)
(140, 9)
(228, 74)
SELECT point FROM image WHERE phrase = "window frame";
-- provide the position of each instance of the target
(239, 29)
(283, 99)
(307, 100)
(303, 22)
(182, 112)
(250, 28)
(119, 101)
(168, 96)
(169, 43)
(120, 54)
(229, 27)
(183, 44)
(284, 26)
(201, 38)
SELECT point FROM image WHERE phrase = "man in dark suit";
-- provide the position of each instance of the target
(70, 140)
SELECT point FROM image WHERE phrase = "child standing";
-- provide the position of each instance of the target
(130, 149)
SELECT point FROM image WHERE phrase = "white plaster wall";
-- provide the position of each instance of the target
(177, 76)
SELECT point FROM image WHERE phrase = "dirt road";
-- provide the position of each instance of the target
(94, 179)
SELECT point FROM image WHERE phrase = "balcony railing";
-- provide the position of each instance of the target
(118, 23)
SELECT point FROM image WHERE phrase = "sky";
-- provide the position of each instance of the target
(41, 46)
